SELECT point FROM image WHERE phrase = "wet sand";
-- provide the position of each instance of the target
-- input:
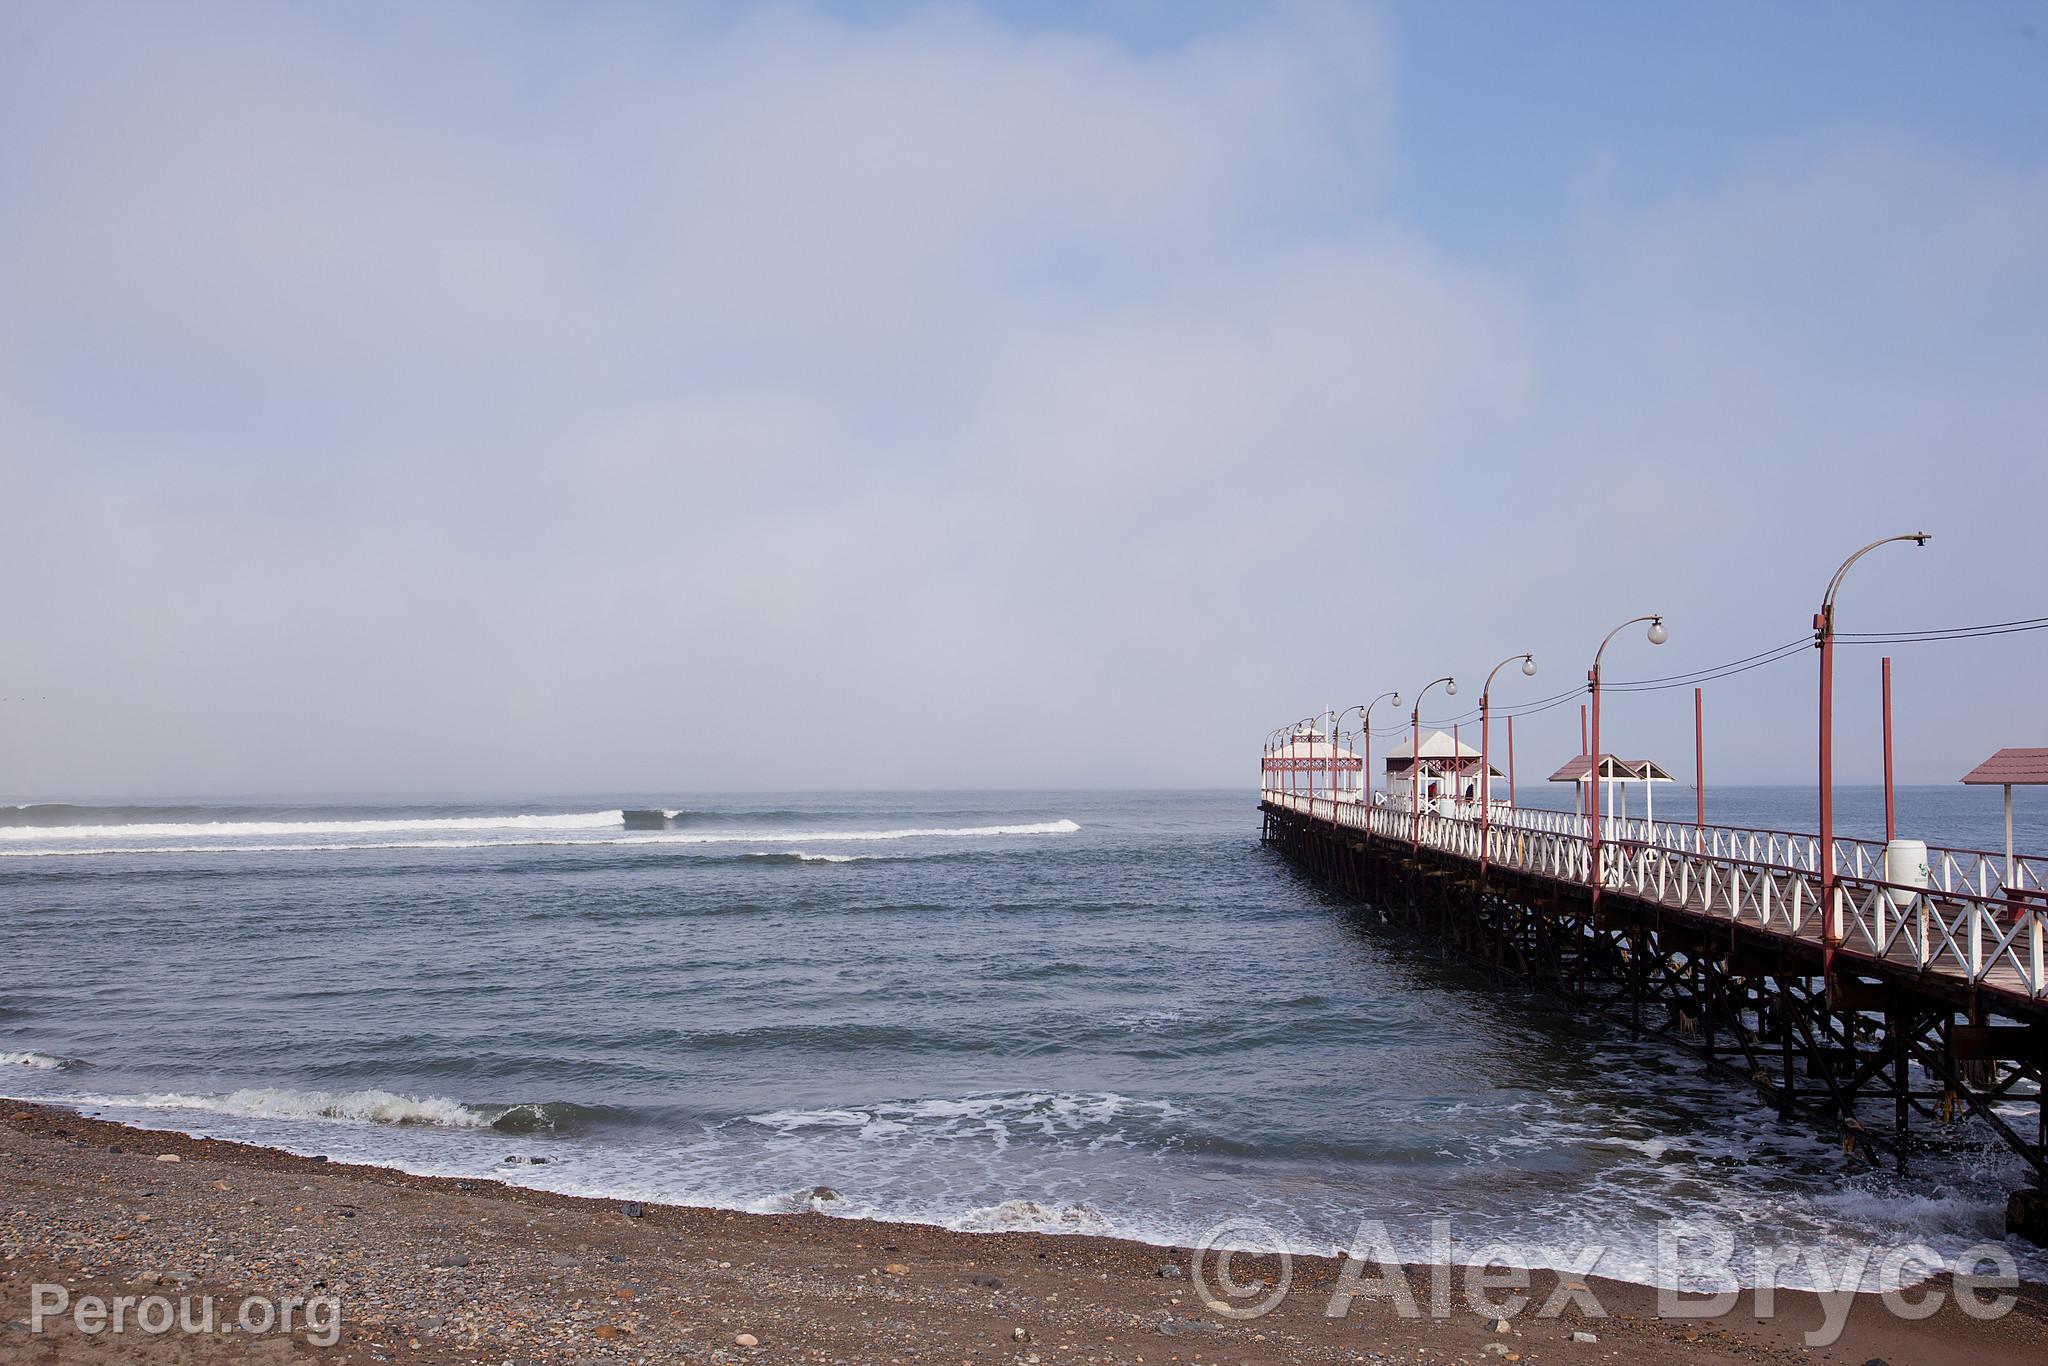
(439, 1270)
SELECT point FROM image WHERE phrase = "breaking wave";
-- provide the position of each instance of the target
(41, 1062)
(518, 831)
(584, 820)
(358, 1107)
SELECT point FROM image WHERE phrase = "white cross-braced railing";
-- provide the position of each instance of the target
(1970, 920)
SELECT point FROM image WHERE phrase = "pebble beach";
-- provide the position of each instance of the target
(426, 1269)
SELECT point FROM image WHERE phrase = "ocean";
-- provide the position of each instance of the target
(1084, 1012)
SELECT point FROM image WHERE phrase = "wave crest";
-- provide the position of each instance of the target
(508, 835)
(363, 1107)
(168, 830)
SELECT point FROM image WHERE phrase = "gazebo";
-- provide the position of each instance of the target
(1616, 774)
(2010, 768)
(1446, 762)
(1294, 766)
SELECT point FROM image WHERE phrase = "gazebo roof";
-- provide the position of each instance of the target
(2019, 767)
(1436, 744)
(1613, 769)
(1440, 751)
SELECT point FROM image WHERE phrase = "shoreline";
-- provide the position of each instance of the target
(469, 1270)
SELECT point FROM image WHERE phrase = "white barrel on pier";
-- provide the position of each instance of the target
(1905, 865)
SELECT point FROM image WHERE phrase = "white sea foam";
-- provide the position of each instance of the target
(42, 1062)
(884, 1161)
(218, 830)
(516, 837)
(1091, 1116)
(1029, 1216)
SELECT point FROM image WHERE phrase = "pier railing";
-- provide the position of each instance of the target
(1975, 917)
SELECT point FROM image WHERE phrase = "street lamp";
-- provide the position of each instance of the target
(1294, 765)
(1266, 781)
(1364, 710)
(1415, 754)
(1311, 721)
(1824, 641)
(1658, 635)
(1485, 761)
(1365, 737)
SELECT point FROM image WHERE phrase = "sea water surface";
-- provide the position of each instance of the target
(1071, 1012)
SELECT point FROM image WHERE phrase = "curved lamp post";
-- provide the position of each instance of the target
(1283, 738)
(1485, 761)
(1311, 721)
(1824, 641)
(1364, 710)
(1658, 635)
(1271, 747)
(1415, 754)
(1336, 739)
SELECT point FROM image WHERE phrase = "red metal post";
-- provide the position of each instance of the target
(1890, 822)
(1593, 678)
(1588, 804)
(1830, 927)
(1485, 776)
(1415, 778)
(1699, 757)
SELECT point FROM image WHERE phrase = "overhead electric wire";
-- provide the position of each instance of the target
(1967, 633)
(1775, 655)
(1995, 628)
(1688, 676)
(1783, 652)
(1520, 709)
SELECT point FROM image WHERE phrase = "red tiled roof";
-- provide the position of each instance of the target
(1615, 769)
(2018, 766)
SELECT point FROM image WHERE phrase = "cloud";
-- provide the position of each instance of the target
(420, 403)
(458, 400)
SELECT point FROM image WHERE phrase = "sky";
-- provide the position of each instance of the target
(500, 398)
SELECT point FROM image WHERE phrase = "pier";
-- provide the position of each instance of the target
(1883, 1012)
(1890, 993)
